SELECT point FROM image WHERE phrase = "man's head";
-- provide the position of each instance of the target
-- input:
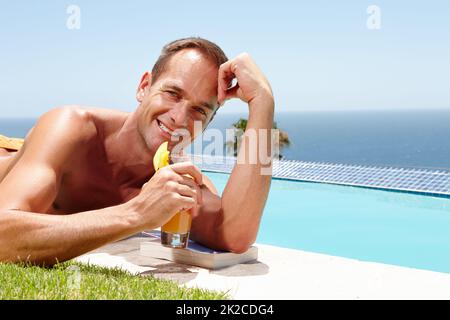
(180, 90)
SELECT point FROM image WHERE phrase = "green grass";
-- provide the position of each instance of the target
(71, 280)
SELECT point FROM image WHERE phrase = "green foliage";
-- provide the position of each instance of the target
(241, 126)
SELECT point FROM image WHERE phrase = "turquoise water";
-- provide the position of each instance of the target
(380, 226)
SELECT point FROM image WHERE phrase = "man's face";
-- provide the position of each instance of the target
(184, 94)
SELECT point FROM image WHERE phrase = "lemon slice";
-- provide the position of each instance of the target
(161, 158)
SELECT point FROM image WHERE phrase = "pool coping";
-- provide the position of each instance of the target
(282, 273)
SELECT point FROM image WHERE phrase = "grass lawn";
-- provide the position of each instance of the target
(71, 280)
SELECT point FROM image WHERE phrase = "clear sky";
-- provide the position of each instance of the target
(318, 55)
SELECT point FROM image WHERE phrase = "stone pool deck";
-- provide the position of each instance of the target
(283, 273)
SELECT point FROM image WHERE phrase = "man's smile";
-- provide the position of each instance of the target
(167, 132)
(164, 128)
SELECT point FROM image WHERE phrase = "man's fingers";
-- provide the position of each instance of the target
(188, 187)
(187, 191)
(226, 92)
(187, 202)
(225, 77)
(191, 183)
(232, 93)
(190, 169)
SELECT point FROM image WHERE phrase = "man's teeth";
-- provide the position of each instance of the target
(165, 129)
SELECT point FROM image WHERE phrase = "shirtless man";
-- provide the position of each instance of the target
(84, 177)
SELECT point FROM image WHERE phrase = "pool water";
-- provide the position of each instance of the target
(398, 228)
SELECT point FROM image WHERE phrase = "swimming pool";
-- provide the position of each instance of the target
(405, 229)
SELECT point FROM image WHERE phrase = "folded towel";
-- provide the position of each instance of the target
(13, 144)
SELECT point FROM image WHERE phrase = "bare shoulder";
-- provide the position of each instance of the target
(72, 127)
(103, 113)
(58, 132)
(106, 120)
(59, 137)
(72, 123)
(85, 119)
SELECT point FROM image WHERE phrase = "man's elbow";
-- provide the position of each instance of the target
(238, 249)
(239, 241)
(239, 244)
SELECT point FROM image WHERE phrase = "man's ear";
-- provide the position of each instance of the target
(144, 85)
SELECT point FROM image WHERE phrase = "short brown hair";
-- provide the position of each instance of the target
(206, 47)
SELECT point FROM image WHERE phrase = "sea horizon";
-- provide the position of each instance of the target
(400, 138)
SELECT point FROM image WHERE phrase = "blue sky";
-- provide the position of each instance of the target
(318, 55)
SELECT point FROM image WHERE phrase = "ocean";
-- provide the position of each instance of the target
(418, 138)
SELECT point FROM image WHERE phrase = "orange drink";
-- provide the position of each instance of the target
(180, 223)
(175, 233)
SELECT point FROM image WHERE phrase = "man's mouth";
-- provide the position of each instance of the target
(167, 130)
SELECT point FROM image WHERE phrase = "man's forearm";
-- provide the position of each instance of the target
(46, 239)
(246, 192)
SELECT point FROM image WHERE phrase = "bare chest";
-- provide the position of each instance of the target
(92, 187)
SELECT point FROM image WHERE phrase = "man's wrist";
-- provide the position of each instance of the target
(263, 104)
(132, 216)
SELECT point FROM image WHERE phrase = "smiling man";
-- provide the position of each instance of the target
(84, 176)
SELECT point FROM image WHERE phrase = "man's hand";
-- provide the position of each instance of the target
(168, 192)
(251, 84)
(235, 224)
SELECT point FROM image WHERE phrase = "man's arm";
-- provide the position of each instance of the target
(29, 189)
(233, 225)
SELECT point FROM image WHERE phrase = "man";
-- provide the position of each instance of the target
(84, 177)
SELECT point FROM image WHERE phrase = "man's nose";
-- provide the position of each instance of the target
(179, 116)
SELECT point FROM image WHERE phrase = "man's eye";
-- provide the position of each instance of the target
(173, 94)
(200, 110)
